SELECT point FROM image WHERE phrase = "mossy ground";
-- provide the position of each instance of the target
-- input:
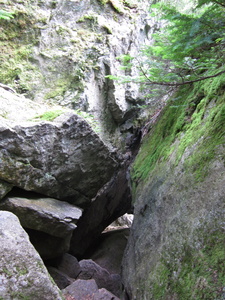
(194, 118)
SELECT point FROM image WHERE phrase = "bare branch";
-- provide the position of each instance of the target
(7, 88)
(217, 2)
(182, 83)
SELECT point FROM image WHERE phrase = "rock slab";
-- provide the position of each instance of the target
(57, 218)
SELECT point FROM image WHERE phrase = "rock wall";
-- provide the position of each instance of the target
(176, 246)
(60, 52)
(55, 59)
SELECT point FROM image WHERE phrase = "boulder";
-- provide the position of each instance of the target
(69, 265)
(176, 245)
(54, 217)
(23, 274)
(103, 294)
(61, 279)
(49, 222)
(63, 159)
(81, 289)
(91, 270)
(124, 221)
(87, 290)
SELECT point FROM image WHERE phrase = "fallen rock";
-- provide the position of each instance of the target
(91, 270)
(69, 265)
(23, 274)
(124, 221)
(111, 202)
(103, 294)
(57, 218)
(64, 159)
(87, 290)
(61, 279)
(81, 289)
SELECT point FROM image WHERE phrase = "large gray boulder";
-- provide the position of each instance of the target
(23, 274)
(63, 159)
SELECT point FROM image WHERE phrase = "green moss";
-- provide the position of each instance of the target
(196, 274)
(63, 84)
(117, 5)
(87, 18)
(20, 296)
(194, 118)
(49, 115)
(157, 146)
(17, 39)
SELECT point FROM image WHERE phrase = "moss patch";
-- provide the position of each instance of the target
(196, 274)
(195, 119)
(17, 38)
(49, 115)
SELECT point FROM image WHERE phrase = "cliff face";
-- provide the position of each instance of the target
(60, 52)
(57, 54)
(176, 247)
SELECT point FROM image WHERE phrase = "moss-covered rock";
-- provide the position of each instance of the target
(176, 246)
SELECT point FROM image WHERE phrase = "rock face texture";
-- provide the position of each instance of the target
(66, 50)
(23, 274)
(64, 159)
(176, 245)
(112, 201)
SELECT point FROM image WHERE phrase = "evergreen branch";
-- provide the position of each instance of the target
(182, 83)
(217, 2)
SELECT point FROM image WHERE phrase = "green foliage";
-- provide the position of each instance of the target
(49, 115)
(186, 48)
(188, 121)
(5, 15)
